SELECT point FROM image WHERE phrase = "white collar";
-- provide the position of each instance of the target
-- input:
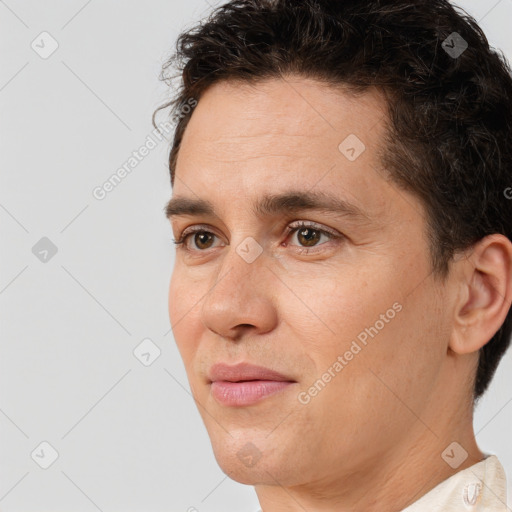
(481, 487)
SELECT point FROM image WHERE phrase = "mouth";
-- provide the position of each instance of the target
(245, 384)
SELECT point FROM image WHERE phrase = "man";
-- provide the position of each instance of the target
(343, 278)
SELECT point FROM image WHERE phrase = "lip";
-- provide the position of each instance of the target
(243, 372)
(245, 384)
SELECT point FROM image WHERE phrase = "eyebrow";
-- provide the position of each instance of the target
(273, 205)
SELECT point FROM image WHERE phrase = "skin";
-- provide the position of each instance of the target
(372, 439)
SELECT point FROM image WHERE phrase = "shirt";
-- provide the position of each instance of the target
(480, 488)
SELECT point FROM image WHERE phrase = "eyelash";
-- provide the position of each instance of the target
(291, 229)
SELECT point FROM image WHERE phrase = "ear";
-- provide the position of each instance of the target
(485, 279)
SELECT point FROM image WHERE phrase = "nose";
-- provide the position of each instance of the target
(241, 297)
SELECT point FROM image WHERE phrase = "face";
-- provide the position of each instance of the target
(338, 301)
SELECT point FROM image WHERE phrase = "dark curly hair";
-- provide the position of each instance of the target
(449, 132)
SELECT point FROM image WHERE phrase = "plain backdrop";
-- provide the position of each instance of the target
(83, 281)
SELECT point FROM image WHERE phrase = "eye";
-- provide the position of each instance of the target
(202, 238)
(307, 236)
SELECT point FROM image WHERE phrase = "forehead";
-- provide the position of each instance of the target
(241, 116)
(245, 138)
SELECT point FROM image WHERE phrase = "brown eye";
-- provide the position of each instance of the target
(203, 240)
(308, 236)
(203, 237)
(312, 239)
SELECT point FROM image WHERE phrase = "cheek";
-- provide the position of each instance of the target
(176, 306)
(380, 382)
(401, 357)
(184, 309)
(338, 306)
(373, 322)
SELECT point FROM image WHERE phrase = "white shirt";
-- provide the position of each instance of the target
(481, 487)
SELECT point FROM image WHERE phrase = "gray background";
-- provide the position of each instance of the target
(129, 436)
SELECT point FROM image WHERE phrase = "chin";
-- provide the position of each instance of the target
(243, 462)
(248, 476)
(239, 457)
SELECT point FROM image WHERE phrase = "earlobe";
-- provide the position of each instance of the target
(486, 281)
